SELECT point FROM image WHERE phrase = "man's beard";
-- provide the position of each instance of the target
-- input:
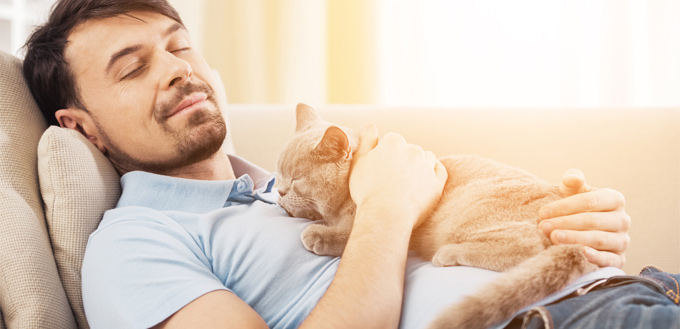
(200, 139)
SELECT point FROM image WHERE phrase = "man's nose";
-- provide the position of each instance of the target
(177, 70)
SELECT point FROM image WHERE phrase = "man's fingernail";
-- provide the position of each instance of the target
(560, 237)
(546, 227)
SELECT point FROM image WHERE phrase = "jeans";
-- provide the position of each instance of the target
(650, 300)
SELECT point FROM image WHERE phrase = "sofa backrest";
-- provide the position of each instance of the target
(31, 293)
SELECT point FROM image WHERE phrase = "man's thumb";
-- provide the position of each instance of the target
(574, 182)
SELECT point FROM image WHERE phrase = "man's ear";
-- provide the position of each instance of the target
(81, 121)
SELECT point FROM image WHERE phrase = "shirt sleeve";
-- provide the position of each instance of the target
(139, 271)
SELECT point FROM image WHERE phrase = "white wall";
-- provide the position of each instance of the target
(17, 20)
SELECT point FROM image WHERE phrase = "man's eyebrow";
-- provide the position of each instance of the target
(129, 50)
(173, 28)
(121, 53)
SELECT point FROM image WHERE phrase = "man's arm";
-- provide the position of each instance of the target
(368, 286)
(393, 186)
(589, 216)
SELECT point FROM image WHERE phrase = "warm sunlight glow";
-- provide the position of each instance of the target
(528, 53)
(484, 53)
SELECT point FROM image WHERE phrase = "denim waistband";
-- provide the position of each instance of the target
(600, 300)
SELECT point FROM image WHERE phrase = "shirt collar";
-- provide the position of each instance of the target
(165, 193)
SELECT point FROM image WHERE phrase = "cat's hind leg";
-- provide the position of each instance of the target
(495, 248)
(489, 255)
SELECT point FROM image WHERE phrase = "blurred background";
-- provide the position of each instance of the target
(453, 53)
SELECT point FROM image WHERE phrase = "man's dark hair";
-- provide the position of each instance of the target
(47, 72)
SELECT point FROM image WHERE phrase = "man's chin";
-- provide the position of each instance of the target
(203, 141)
(192, 145)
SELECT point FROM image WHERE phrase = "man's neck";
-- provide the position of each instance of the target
(217, 167)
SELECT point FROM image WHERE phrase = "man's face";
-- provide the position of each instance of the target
(148, 92)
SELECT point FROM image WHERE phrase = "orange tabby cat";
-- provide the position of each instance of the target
(487, 217)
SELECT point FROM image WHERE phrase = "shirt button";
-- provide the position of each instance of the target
(241, 186)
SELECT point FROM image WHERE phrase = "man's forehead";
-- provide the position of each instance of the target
(98, 38)
(132, 20)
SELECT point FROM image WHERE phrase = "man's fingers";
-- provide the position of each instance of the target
(368, 139)
(611, 221)
(574, 182)
(597, 200)
(604, 258)
(601, 248)
(603, 241)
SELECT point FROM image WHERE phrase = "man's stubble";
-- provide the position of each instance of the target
(199, 140)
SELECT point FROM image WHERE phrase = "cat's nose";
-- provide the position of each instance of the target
(283, 193)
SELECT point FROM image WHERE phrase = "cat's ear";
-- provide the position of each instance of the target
(306, 115)
(334, 144)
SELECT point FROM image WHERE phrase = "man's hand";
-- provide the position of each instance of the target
(589, 216)
(395, 174)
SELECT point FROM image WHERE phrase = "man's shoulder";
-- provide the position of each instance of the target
(131, 213)
(131, 220)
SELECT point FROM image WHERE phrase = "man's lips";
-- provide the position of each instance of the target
(189, 102)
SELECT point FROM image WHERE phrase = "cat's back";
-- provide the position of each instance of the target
(467, 169)
(484, 186)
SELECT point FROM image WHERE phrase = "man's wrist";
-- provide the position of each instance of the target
(386, 214)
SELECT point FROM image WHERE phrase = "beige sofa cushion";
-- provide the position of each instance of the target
(78, 184)
(31, 294)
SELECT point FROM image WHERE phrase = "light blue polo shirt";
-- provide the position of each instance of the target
(171, 240)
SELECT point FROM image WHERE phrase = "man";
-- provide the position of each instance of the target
(196, 239)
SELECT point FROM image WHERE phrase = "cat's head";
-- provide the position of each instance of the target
(313, 169)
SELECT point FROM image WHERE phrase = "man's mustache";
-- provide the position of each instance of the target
(162, 111)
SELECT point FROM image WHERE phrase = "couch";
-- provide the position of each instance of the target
(54, 186)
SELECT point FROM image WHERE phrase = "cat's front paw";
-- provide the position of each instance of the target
(321, 240)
